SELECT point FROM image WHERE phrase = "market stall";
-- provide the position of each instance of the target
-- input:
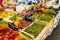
(34, 23)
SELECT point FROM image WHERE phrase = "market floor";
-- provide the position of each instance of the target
(55, 34)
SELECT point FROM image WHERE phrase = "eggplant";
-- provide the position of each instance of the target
(1, 19)
(12, 26)
(29, 19)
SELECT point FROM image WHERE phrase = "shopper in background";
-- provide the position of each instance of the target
(0, 2)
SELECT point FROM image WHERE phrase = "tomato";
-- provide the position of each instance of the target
(1, 38)
(11, 39)
(5, 39)
(11, 35)
(6, 36)
(1, 34)
(15, 33)
(11, 31)
(5, 29)
(8, 33)
(1, 29)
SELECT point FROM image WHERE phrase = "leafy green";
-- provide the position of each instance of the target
(35, 29)
(3, 22)
(13, 17)
(51, 7)
(40, 16)
(49, 11)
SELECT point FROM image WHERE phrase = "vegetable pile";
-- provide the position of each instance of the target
(23, 23)
(11, 35)
(29, 13)
(5, 32)
(36, 28)
(42, 17)
(11, 22)
(13, 17)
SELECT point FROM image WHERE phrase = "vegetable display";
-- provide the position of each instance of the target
(11, 35)
(40, 8)
(3, 24)
(13, 17)
(42, 17)
(23, 23)
(36, 28)
(49, 11)
(5, 32)
(29, 13)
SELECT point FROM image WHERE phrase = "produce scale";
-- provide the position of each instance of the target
(31, 21)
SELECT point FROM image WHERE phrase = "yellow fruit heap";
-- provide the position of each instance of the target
(6, 14)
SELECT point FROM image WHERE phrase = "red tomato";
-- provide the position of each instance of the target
(5, 29)
(11, 31)
(15, 33)
(11, 36)
(11, 39)
(8, 33)
(7, 36)
(1, 38)
(1, 34)
(5, 39)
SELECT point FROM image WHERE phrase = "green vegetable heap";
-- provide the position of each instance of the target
(36, 28)
(14, 17)
(42, 17)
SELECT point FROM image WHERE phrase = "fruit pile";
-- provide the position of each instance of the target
(5, 32)
(40, 8)
(29, 13)
(5, 14)
(11, 35)
(23, 23)
(22, 19)
(23, 12)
